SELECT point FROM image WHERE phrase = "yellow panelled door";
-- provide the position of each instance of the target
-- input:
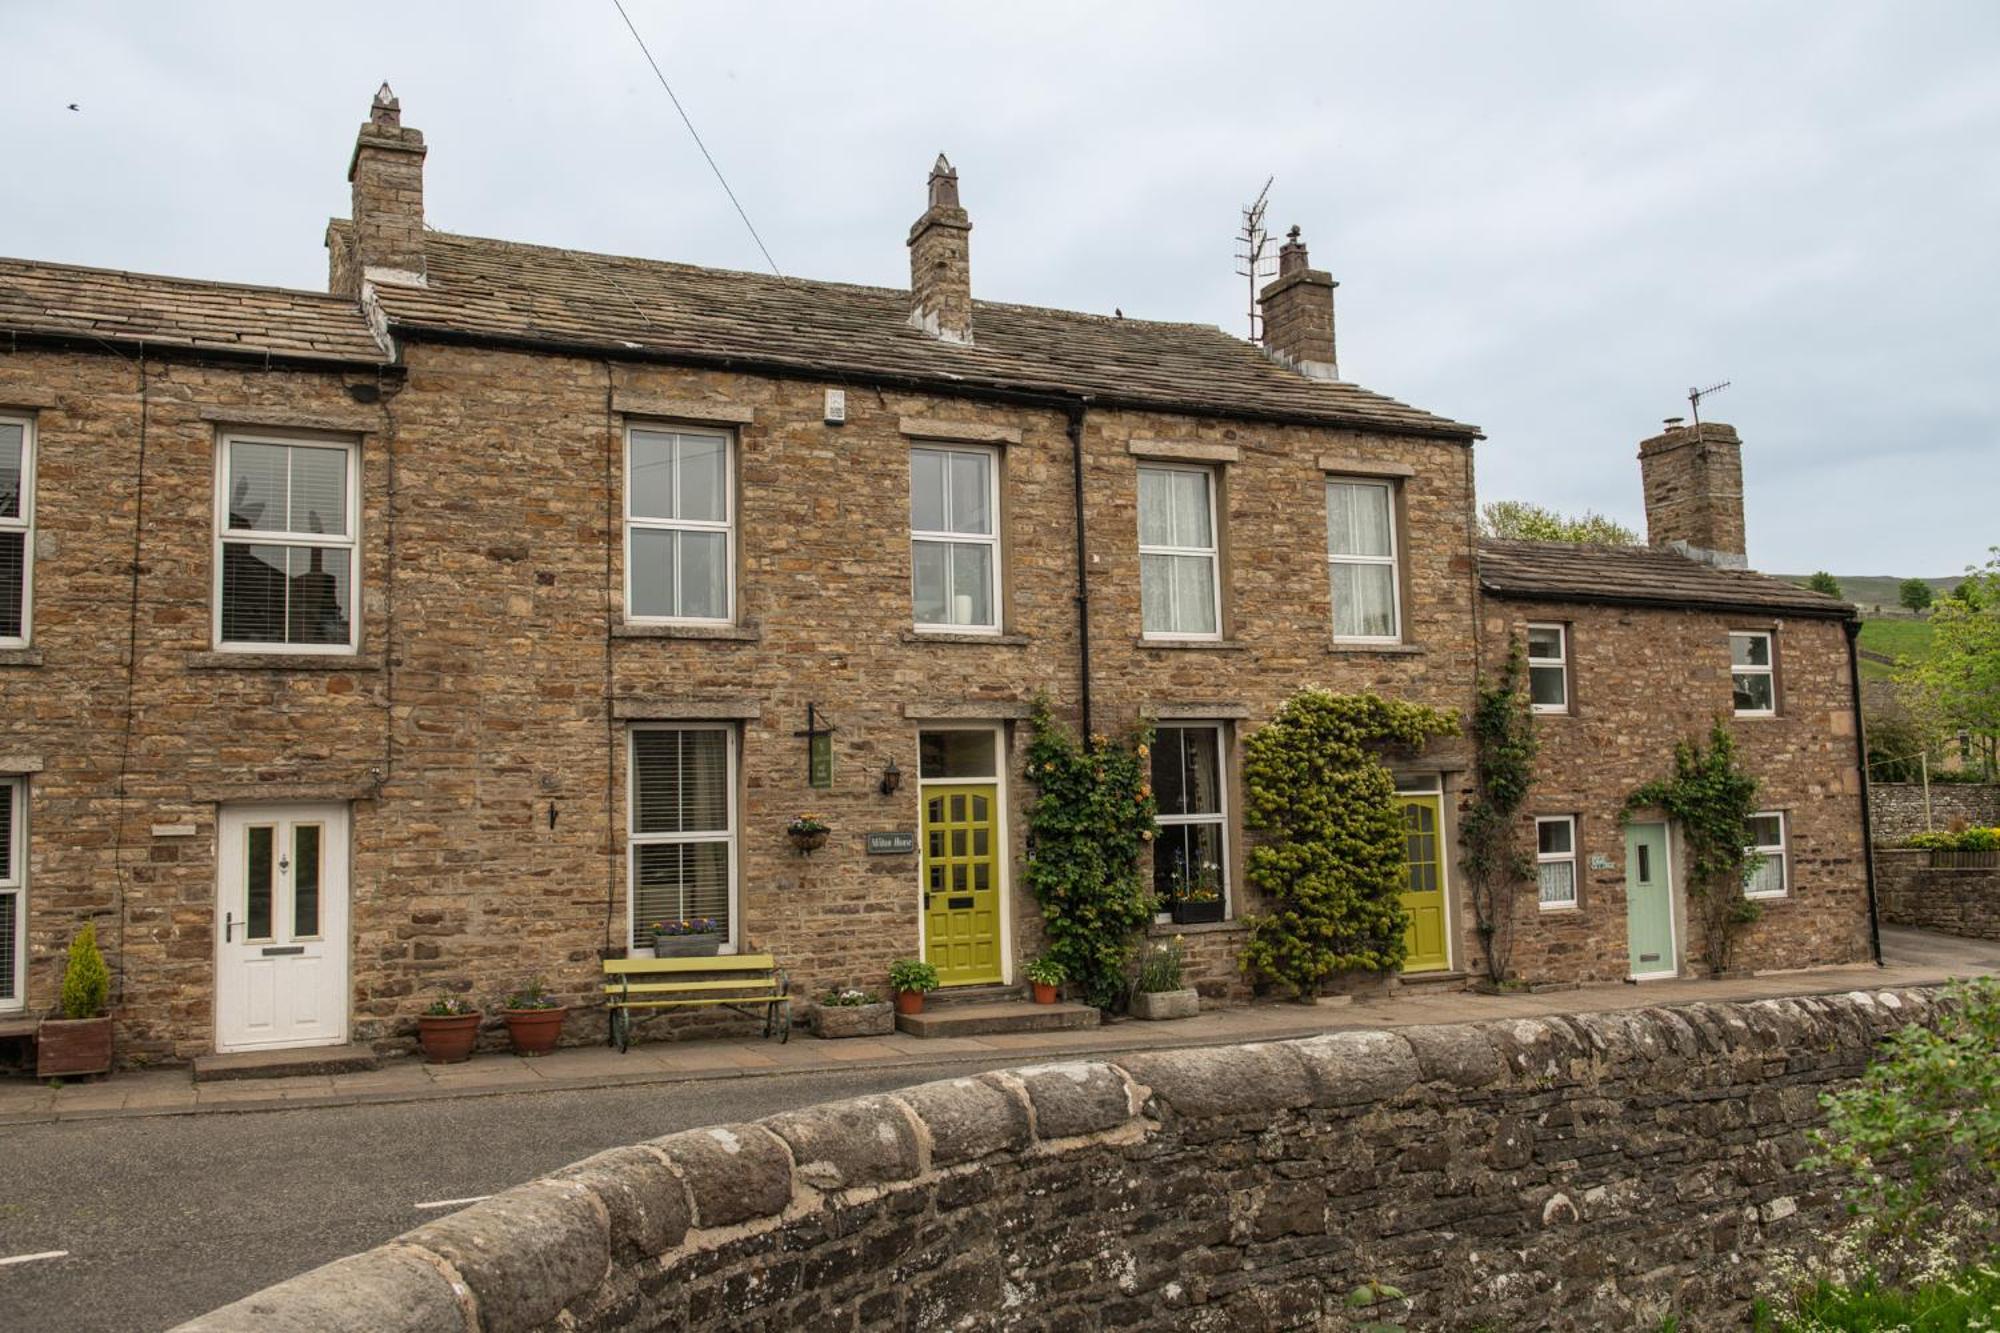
(1424, 898)
(961, 871)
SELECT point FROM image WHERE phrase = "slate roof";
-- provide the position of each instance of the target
(67, 300)
(480, 288)
(1639, 576)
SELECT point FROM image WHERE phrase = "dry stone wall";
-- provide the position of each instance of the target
(1573, 1173)
(1896, 810)
(1956, 900)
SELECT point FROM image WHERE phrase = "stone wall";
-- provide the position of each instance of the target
(1580, 1173)
(1896, 809)
(1957, 901)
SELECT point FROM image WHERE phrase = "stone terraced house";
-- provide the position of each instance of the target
(445, 629)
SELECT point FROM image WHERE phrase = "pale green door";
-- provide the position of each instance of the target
(1649, 903)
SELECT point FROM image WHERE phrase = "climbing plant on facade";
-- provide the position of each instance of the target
(1093, 817)
(1333, 855)
(1497, 867)
(1711, 799)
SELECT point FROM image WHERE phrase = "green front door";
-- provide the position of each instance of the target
(1649, 902)
(961, 872)
(1426, 949)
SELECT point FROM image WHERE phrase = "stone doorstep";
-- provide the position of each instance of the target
(286, 1063)
(984, 1020)
(1431, 980)
(992, 993)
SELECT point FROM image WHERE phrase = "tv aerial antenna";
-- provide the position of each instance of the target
(1696, 395)
(1252, 258)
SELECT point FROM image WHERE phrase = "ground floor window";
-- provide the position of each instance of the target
(1191, 856)
(1764, 836)
(13, 877)
(683, 828)
(1555, 860)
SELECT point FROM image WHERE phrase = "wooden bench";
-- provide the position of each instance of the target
(744, 982)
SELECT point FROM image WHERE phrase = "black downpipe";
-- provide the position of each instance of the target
(1853, 628)
(1076, 413)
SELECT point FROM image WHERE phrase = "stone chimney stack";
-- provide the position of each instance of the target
(1298, 313)
(386, 239)
(1693, 477)
(941, 261)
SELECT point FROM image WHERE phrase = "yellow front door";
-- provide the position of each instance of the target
(961, 870)
(1424, 899)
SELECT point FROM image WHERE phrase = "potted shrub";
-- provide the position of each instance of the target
(1160, 992)
(447, 1030)
(1046, 975)
(911, 979)
(80, 1041)
(808, 833)
(852, 1012)
(690, 937)
(534, 1019)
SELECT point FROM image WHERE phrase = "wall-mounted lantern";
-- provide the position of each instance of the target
(892, 779)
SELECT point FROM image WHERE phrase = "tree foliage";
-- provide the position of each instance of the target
(1821, 581)
(1916, 595)
(1093, 817)
(1332, 859)
(86, 983)
(1956, 687)
(1712, 799)
(1496, 865)
(1518, 520)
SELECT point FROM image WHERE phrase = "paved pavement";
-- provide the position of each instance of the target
(168, 1205)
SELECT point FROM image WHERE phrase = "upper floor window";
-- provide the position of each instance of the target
(285, 545)
(1548, 668)
(1179, 591)
(1191, 857)
(679, 526)
(1751, 677)
(13, 874)
(17, 514)
(1555, 860)
(955, 538)
(1361, 552)
(1764, 838)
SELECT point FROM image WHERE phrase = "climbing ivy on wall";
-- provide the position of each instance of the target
(1092, 819)
(1712, 799)
(1497, 867)
(1332, 857)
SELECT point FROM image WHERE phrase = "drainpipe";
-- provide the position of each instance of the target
(1077, 410)
(1853, 629)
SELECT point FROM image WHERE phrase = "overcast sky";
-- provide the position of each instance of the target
(1546, 219)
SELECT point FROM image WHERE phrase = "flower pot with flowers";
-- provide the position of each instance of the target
(1046, 975)
(1195, 893)
(79, 1042)
(447, 1029)
(534, 1019)
(808, 833)
(688, 937)
(852, 1012)
(912, 979)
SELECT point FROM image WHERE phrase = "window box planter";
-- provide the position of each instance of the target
(447, 1039)
(1197, 913)
(852, 1020)
(687, 946)
(1165, 1004)
(534, 1031)
(72, 1047)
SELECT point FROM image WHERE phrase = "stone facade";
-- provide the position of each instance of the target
(1899, 810)
(1956, 899)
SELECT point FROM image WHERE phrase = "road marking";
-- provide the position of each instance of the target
(451, 1203)
(33, 1258)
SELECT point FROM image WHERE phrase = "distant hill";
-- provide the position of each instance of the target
(1869, 591)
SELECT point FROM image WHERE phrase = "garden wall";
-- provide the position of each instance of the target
(1958, 901)
(1896, 809)
(1556, 1173)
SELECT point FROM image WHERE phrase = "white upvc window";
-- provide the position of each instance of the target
(13, 893)
(1180, 592)
(17, 530)
(286, 519)
(682, 828)
(1191, 855)
(680, 526)
(1752, 677)
(1361, 560)
(1555, 860)
(955, 538)
(1548, 668)
(1764, 838)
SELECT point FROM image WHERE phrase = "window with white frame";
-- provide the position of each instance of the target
(13, 886)
(1751, 677)
(1548, 668)
(1361, 557)
(1764, 838)
(1555, 860)
(1191, 855)
(285, 545)
(1179, 591)
(683, 828)
(17, 538)
(680, 562)
(955, 538)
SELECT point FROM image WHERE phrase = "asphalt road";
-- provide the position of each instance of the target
(168, 1217)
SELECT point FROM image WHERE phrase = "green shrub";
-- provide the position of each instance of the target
(1046, 971)
(912, 974)
(1960, 840)
(1160, 969)
(1955, 1303)
(86, 984)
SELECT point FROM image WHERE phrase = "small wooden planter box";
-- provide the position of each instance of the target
(686, 946)
(1165, 1004)
(72, 1047)
(1197, 914)
(853, 1020)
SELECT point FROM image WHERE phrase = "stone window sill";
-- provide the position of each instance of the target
(1376, 649)
(1193, 645)
(749, 633)
(1165, 928)
(217, 661)
(20, 657)
(945, 636)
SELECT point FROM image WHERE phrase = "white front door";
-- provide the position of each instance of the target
(281, 927)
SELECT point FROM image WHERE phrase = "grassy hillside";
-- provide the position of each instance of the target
(1902, 636)
(1869, 591)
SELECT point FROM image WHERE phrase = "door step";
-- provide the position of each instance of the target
(1432, 980)
(992, 993)
(349, 1059)
(985, 1020)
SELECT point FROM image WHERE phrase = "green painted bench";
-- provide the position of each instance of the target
(636, 988)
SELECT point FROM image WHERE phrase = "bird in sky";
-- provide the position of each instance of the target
(74, 107)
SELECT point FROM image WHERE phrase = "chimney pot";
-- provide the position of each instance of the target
(1298, 313)
(941, 261)
(1693, 479)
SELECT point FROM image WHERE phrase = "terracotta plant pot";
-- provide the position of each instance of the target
(447, 1038)
(909, 1002)
(534, 1031)
(1045, 992)
(72, 1047)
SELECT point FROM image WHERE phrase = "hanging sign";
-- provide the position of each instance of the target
(819, 748)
